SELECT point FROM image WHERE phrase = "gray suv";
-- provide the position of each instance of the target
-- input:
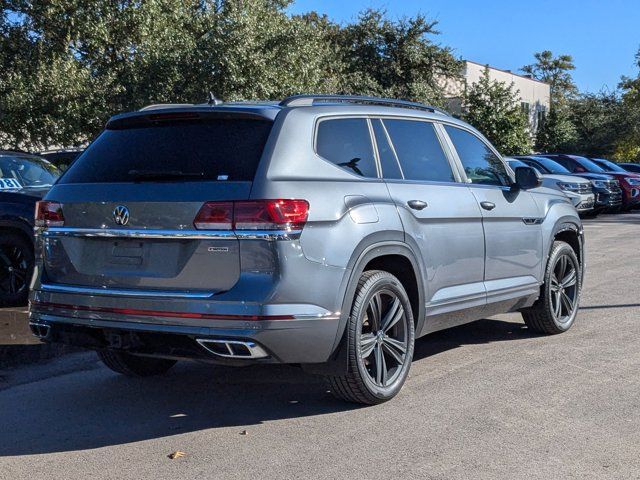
(324, 231)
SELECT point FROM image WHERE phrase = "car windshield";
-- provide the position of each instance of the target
(25, 171)
(551, 166)
(588, 164)
(516, 163)
(610, 166)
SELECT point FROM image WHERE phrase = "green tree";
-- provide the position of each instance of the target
(599, 121)
(627, 147)
(557, 132)
(493, 108)
(398, 59)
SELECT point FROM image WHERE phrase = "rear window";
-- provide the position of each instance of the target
(346, 142)
(195, 150)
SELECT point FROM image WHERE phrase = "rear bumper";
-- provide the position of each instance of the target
(302, 338)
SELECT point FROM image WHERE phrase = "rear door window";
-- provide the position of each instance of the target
(203, 149)
(346, 142)
(419, 151)
(388, 161)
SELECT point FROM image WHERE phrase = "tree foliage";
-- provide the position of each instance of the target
(494, 109)
(557, 133)
(394, 59)
(67, 65)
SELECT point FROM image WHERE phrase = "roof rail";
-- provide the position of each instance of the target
(309, 100)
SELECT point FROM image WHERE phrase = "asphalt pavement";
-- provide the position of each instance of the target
(485, 400)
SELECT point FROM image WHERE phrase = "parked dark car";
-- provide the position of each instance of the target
(629, 181)
(606, 189)
(24, 179)
(631, 167)
(61, 158)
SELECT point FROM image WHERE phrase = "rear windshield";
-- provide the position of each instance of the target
(194, 150)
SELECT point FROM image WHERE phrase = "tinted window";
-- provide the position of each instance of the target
(609, 166)
(589, 165)
(214, 149)
(535, 165)
(347, 143)
(22, 171)
(480, 164)
(390, 167)
(568, 164)
(549, 165)
(517, 163)
(419, 151)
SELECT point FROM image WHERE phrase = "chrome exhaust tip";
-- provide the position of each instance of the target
(40, 330)
(232, 348)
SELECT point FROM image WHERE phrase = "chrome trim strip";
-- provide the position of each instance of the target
(122, 292)
(168, 234)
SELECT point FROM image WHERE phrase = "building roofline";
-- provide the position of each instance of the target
(506, 71)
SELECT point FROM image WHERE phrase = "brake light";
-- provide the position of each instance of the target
(49, 214)
(281, 214)
(215, 216)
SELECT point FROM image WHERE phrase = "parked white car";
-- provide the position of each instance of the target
(579, 190)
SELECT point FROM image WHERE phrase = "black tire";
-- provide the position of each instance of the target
(545, 316)
(16, 269)
(376, 290)
(134, 366)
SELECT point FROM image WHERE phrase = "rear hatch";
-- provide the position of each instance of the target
(130, 201)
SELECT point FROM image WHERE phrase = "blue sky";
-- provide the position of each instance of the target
(601, 35)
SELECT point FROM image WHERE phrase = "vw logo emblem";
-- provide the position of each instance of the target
(121, 215)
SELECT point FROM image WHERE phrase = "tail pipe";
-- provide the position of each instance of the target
(232, 348)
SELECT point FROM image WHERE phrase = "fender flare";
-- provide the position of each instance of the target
(337, 363)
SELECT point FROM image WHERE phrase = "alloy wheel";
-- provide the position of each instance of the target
(13, 269)
(564, 288)
(384, 338)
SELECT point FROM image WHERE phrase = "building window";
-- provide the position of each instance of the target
(542, 114)
(526, 108)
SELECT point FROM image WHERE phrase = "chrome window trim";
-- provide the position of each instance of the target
(169, 234)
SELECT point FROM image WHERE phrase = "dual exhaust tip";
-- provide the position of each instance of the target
(220, 348)
(40, 330)
(233, 348)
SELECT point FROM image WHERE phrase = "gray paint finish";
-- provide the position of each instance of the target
(468, 261)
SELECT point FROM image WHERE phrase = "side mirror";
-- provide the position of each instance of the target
(527, 178)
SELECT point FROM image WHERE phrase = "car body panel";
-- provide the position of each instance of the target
(290, 291)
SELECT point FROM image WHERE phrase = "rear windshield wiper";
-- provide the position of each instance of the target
(139, 175)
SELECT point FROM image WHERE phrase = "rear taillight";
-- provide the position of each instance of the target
(215, 216)
(283, 214)
(49, 214)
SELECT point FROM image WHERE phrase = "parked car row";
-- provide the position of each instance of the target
(594, 185)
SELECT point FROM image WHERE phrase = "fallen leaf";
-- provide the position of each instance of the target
(176, 454)
(244, 432)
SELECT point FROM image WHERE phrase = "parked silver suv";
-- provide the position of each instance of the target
(323, 231)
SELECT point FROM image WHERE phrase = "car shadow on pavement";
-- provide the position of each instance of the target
(97, 408)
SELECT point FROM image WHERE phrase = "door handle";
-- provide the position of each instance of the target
(488, 205)
(417, 204)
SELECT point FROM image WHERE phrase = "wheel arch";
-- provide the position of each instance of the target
(375, 256)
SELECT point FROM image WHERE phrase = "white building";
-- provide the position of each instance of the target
(535, 96)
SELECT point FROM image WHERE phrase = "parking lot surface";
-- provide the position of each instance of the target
(485, 400)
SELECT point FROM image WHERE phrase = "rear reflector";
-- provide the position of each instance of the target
(282, 214)
(155, 313)
(49, 214)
